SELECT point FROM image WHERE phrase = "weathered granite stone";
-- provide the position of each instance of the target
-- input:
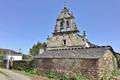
(72, 39)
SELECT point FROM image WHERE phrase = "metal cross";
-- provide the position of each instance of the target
(65, 2)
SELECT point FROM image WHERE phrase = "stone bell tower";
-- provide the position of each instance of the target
(65, 22)
(66, 33)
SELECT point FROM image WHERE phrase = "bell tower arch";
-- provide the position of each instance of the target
(65, 22)
(65, 32)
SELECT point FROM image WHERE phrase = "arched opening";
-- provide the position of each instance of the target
(61, 26)
(68, 25)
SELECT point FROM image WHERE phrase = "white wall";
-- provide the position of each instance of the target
(15, 57)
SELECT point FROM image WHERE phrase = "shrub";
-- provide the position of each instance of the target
(65, 77)
(1, 56)
(57, 76)
(77, 77)
(51, 75)
(21, 65)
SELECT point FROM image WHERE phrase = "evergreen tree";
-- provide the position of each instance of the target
(36, 47)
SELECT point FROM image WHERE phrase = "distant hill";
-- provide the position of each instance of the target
(6, 51)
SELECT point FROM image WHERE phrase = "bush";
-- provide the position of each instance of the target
(65, 77)
(115, 72)
(56, 76)
(1, 56)
(50, 75)
(21, 65)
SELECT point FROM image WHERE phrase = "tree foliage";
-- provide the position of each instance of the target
(36, 47)
(117, 55)
(1, 54)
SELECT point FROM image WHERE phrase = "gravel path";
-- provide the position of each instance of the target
(2, 77)
(10, 75)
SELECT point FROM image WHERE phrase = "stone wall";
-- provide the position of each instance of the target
(107, 64)
(59, 65)
(89, 68)
(16, 64)
(72, 39)
(86, 67)
(2, 64)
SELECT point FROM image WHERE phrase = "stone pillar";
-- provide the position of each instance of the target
(72, 25)
(7, 64)
(85, 40)
(58, 26)
(65, 25)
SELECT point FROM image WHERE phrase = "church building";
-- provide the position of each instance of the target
(68, 52)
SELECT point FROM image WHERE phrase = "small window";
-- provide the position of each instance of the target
(64, 42)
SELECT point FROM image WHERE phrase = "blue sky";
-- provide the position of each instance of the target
(25, 22)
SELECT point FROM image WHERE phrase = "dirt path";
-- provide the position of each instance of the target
(10, 75)
(3, 77)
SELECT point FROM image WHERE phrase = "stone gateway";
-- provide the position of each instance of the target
(68, 52)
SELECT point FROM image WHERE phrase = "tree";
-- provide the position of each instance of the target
(1, 54)
(36, 47)
(117, 55)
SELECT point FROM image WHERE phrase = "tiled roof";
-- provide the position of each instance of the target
(94, 53)
(11, 52)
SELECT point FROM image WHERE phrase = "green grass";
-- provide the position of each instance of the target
(116, 73)
(26, 73)
(51, 75)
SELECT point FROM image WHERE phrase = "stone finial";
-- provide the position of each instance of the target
(65, 2)
(48, 37)
(20, 50)
(86, 45)
(84, 33)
